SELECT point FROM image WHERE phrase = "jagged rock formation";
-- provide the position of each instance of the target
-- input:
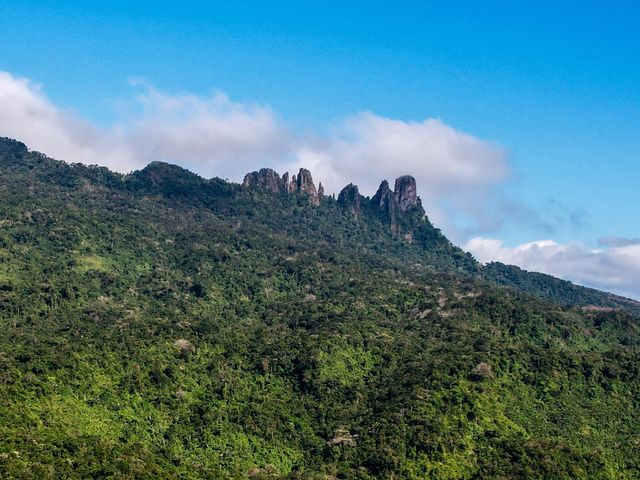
(385, 201)
(286, 183)
(304, 184)
(393, 204)
(292, 186)
(350, 198)
(405, 192)
(265, 178)
(270, 180)
(390, 203)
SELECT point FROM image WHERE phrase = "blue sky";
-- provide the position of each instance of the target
(554, 85)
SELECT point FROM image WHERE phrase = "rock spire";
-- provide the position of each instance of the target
(268, 179)
(350, 198)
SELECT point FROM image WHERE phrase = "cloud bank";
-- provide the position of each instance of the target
(370, 147)
(451, 167)
(615, 269)
(212, 135)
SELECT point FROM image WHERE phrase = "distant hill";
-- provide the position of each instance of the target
(556, 290)
(163, 325)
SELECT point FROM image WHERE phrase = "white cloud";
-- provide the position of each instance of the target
(614, 269)
(27, 114)
(451, 167)
(212, 135)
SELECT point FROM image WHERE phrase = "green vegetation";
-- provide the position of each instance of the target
(160, 325)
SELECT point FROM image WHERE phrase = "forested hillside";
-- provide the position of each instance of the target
(162, 325)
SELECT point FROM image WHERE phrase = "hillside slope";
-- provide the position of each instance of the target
(162, 325)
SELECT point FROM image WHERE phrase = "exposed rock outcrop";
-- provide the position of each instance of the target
(304, 184)
(482, 371)
(286, 183)
(350, 198)
(385, 201)
(405, 192)
(390, 203)
(265, 178)
(268, 179)
(342, 436)
(384, 197)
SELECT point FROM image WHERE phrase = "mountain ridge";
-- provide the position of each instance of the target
(176, 181)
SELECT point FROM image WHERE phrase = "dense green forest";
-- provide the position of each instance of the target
(162, 325)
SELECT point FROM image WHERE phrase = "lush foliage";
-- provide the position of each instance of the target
(159, 325)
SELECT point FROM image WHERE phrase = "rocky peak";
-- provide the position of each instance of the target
(385, 201)
(350, 198)
(384, 196)
(265, 178)
(285, 182)
(304, 184)
(405, 192)
(320, 191)
(393, 204)
(268, 179)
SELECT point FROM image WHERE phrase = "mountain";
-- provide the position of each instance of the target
(162, 325)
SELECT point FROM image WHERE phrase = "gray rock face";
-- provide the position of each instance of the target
(392, 204)
(405, 192)
(384, 196)
(385, 201)
(350, 198)
(304, 184)
(285, 182)
(265, 178)
(268, 179)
